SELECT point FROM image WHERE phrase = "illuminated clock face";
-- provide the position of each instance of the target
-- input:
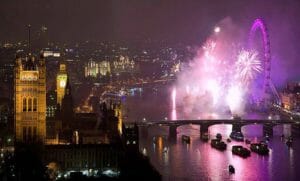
(62, 83)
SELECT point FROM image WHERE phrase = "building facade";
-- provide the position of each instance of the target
(30, 99)
(290, 97)
(97, 69)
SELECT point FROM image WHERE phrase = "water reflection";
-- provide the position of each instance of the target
(198, 161)
(174, 115)
(191, 161)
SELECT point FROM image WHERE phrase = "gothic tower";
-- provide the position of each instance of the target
(61, 81)
(30, 99)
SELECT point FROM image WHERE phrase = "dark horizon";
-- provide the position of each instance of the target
(188, 21)
(173, 21)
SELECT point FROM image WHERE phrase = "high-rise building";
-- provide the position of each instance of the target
(30, 99)
(61, 81)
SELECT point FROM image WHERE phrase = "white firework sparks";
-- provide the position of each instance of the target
(209, 46)
(248, 65)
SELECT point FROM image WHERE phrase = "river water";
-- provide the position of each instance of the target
(198, 160)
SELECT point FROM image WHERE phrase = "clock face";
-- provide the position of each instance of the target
(62, 83)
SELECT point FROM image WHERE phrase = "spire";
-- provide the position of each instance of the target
(29, 43)
(68, 87)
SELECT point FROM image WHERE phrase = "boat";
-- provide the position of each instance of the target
(228, 140)
(231, 169)
(260, 148)
(165, 150)
(241, 151)
(267, 138)
(219, 136)
(237, 136)
(289, 141)
(186, 139)
(247, 141)
(205, 137)
(220, 145)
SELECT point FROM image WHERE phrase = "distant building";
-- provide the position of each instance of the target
(67, 112)
(61, 81)
(123, 65)
(7, 80)
(91, 69)
(51, 100)
(30, 99)
(104, 67)
(290, 97)
(50, 53)
(91, 159)
(53, 122)
(130, 137)
(97, 69)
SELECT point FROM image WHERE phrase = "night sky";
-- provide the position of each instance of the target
(172, 20)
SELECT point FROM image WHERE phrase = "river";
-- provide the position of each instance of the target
(198, 160)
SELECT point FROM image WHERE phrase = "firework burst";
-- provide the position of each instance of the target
(248, 65)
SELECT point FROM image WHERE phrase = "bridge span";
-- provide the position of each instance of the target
(237, 124)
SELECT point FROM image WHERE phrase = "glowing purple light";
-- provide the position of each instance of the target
(222, 74)
(259, 24)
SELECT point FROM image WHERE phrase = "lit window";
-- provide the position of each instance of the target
(24, 104)
(34, 104)
(29, 104)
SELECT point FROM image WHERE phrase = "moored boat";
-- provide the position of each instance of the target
(186, 139)
(231, 169)
(220, 145)
(289, 141)
(247, 141)
(219, 136)
(241, 151)
(237, 136)
(205, 137)
(260, 148)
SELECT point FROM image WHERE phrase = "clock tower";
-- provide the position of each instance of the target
(30, 99)
(61, 81)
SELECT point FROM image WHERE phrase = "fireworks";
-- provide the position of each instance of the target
(222, 77)
(215, 85)
(234, 99)
(248, 65)
(174, 113)
(174, 98)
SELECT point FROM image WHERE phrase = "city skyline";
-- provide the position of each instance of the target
(144, 90)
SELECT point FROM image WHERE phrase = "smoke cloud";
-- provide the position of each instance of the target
(214, 82)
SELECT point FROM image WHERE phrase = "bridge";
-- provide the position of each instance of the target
(237, 124)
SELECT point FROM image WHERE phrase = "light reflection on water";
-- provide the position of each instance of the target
(198, 161)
